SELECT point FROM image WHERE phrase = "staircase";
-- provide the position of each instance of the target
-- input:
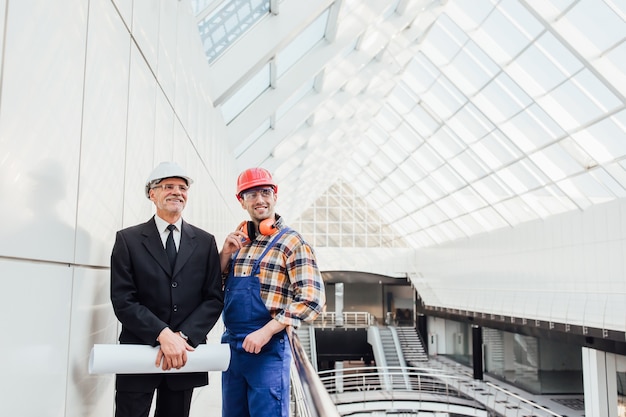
(395, 362)
(412, 346)
(389, 347)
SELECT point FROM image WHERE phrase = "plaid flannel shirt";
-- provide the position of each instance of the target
(291, 283)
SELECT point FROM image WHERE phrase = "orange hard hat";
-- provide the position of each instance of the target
(254, 177)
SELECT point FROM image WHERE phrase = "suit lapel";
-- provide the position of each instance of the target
(154, 245)
(187, 246)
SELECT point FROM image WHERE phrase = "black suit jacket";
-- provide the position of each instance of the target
(148, 296)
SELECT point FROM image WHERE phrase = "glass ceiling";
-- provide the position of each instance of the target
(413, 123)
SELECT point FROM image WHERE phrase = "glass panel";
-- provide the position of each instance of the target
(401, 179)
(448, 179)
(377, 134)
(555, 162)
(443, 98)
(544, 66)
(492, 189)
(617, 171)
(422, 121)
(469, 199)
(579, 101)
(302, 44)
(584, 190)
(532, 129)
(431, 188)
(258, 132)
(443, 42)
(246, 94)
(507, 31)
(450, 207)
(501, 99)
(548, 201)
(388, 119)
(401, 99)
(489, 218)
(471, 69)
(381, 165)
(469, 166)
(496, 150)
(394, 153)
(592, 26)
(294, 99)
(406, 138)
(468, 225)
(470, 124)
(609, 182)
(446, 143)
(426, 158)
(515, 211)
(431, 215)
(413, 170)
(420, 74)
(524, 175)
(418, 198)
(605, 141)
(228, 22)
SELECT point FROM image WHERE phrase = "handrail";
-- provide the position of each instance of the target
(362, 384)
(306, 383)
(532, 404)
(347, 319)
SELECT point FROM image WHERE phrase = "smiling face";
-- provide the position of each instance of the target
(170, 198)
(259, 203)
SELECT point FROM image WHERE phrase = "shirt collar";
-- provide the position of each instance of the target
(162, 224)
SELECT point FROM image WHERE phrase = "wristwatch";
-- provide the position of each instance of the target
(183, 335)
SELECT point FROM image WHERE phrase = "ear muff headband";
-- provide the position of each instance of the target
(266, 227)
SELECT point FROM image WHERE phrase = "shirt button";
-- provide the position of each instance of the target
(174, 284)
(175, 308)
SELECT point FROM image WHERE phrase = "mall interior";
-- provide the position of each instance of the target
(459, 168)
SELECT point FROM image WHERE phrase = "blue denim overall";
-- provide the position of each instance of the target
(254, 385)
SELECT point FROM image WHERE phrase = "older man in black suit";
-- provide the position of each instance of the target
(166, 291)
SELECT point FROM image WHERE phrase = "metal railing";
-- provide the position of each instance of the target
(309, 394)
(349, 319)
(367, 385)
(374, 378)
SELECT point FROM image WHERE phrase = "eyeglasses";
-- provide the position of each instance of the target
(171, 187)
(253, 194)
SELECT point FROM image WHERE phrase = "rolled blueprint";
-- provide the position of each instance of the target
(139, 359)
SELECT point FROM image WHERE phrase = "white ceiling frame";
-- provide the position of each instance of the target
(259, 45)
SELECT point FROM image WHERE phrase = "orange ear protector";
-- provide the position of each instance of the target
(266, 227)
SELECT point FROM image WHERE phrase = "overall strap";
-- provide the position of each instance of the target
(269, 246)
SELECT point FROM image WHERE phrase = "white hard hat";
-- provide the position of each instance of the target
(166, 170)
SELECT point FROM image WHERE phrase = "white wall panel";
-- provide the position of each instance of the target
(86, 113)
(576, 309)
(40, 125)
(3, 5)
(615, 311)
(37, 297)
(92, 321)
(103, 142)
(595, 307)
(167, 44)
(561, 303)
(140, 147)
(163, 130)
(146, 29)
(125, 10)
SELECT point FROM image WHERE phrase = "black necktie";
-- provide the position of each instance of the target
(170, 246)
